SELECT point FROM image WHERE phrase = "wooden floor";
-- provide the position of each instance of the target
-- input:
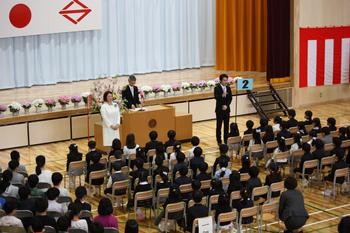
(324, 212)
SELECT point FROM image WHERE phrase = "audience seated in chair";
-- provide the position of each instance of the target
(105, 214)
(9, 219)
(73, 155)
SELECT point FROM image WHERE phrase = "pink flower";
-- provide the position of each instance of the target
(50, 102)
(3, 107)
(63, 100)
(76, 99)
(176, 87)
(157, 88)
(230, 80)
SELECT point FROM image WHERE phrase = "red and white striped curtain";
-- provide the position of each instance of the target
(324, 56)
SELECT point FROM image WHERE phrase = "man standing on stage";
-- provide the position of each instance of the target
(223, 97)
(131, 94)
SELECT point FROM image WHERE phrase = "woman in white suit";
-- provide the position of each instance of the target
(111, 119)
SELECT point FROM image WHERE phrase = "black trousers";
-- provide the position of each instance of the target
(294, 223)
(222, 116)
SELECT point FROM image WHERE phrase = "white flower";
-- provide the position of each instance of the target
(211, 83)
(85, 94)
(38, 103)
(185, 85)
(146, 89)
(166, 88)
(14, 107)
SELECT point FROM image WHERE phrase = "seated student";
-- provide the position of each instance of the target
(33, 181)
(234, 131)
(184, 179)
(256, 140)
(344, 225)
(131, 226)
(245, 202)
(308, 117)
(273, 176)
(41, 205)
(115, 177)
(291, 206)
(75, 221)
(196, 185)
(343, 133)
(301, 128)
(57, 181)
(43, 174)
(163, 183)
(37, 225)
(24, 203)
(245, 164)
(80, 195)
(223, 206)
(277, 120)
(173, 197)
(160, 169)
(337, 146)
(196, 161)
(223, 156)
(297, 142)
(142, 186)
(92, 153)
(281, 148)
(52, 195)
(130, 148)
(177, 150)
(160, 152)
(313, 137)
(203, 175)
(16, 156)
(195, 143)
(339, 164)
(153, 143)
(17, 178)
(284, 131)
(9, 220)
(263, 125)
(331, 122)
(73, 155)
(306, 157)
(292, 122)
(10, 190)
(327, 138)
(171, 139)
(63, 223)
(95, 166)
(216, 187)
(319, 152)
(269, 135)
(224, 171)
(254, 180)
(116, 148)
(136, 173)
(250, 125)
(140, 154)
(105, 214)
(197, 210)
(316, 123)
(180, 158)
(235, 182)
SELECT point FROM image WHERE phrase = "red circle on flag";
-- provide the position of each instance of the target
(20, 15)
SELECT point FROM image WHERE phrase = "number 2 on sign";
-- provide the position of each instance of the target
(245, 84)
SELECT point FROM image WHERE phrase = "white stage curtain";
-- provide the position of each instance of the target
(138, 36)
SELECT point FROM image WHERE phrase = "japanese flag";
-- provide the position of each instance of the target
(34, 17)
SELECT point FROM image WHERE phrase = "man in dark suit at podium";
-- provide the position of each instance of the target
(223, 97)
(131, 94)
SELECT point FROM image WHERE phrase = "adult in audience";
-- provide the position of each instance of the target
(73, 155)
(197, 210)
(110, 114)
(15, 155)
(130, 94)
(105, 214)
(9, 219)
(344, 225)
(41, 205)
(223, 97)
(291, 207)
(43, 174)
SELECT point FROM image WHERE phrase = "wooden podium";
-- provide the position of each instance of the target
(159, 118)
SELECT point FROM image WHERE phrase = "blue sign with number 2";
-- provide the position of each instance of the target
(245, 84)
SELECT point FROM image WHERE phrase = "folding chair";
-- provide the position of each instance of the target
(75, 169)
(234, 145)
(295, 157)
(326, 166)
(339, 173)
(289, 141)
(345, 144)
(308, 165)
(305, 138)
(23, 214)
(244, 177)
(185, 188)
(104, 161)
(205, 184)
(203, 202)
(282, 156)
(309, 128)
(258, 192)
(150, 154)
(225, 181)
(143, 196)
(85, 214)
(275, 187)
(328, 147)
(169, 150)
(214, 199)
(131, 157)
(227, 217)
(266, 211)
(97, 175)
(334, 133)
(175, 208)
(269, 145)
(110, 230)
(161, 198)
(112, 160)
(256, 152)
(236, 195)
(12, 229)
(119, 186)
(246, 213)
(64, 200)
(293, 130)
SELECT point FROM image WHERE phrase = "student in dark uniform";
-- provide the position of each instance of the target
(223, 156)
(274, 176)
(292, 122)
(291, 208)
(131, 94)
(223, 97)
(73, 155)
(308, 117)
(171, 139)
(197, 210)
(153, 143)
(331, 122)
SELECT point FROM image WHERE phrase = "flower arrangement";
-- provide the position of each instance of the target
(85, 96)
(26, 105)
(50, 103)
(185, 85)
(176, 87)
(75, 99)
(157, 89)
(211, 83)
(14, 108)
(146, 89)
(230, 80)
(3, 108)
(38, 103)
(166, 88)
(64, 100)
(193, 85)
(217, 80)
(202, 84)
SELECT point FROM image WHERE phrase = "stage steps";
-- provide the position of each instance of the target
(267, 102)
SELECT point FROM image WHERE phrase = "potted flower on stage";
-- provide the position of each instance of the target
(15, 108)
(176, 88)
(202, 85)
(50, 104)
(3, 109)
(156, 89)
(185, 87)
(211, 84)
(166, 89)
(26, 106)
(38, 103)
(85, 96)
(193, 86)
(63, 100)
(230, 80)
(76, 100)
(146, 90)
